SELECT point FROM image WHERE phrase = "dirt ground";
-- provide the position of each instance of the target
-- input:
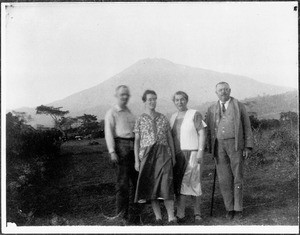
(88, 198)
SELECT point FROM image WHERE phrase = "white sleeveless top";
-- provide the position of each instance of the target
(188, 132)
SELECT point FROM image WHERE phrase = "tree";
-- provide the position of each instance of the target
(87, 118)
(89, 124)
(68, 122)
(55, 113)
(22, 116)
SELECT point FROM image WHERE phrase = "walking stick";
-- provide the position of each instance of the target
(213, 192)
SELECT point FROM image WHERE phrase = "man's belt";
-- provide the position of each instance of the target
(126, 139)
(226, 139)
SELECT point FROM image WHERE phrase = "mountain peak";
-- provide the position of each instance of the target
(152, 61)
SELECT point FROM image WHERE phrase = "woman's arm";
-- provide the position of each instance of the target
(136, 152)
(200, 126)
(171, 144)
(201, 144)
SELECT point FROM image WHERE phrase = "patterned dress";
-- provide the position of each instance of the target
(155, 179)
(187, 170)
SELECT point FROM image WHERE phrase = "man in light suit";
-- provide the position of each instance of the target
(230, 140)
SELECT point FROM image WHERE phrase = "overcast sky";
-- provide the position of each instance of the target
(55, 49)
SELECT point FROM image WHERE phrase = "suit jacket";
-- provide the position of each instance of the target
(243, 131)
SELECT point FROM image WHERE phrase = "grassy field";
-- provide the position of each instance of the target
(270, 192)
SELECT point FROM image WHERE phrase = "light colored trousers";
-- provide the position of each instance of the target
(229, 163)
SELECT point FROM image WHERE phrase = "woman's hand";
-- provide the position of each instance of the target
(137, 166)
(173, 161)
(200, 154)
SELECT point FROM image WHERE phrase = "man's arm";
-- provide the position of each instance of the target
(248, 135)
(136, 152)
(109, 135)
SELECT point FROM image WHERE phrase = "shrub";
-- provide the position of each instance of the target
(278, 143)
(286, 145)
(34, 168)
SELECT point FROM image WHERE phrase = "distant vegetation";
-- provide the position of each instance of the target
(71, 127)
(270, 106)
(267, 106)
(55, 113)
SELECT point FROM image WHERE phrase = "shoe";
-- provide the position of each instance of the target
(134, 221)
(117, 220)
(198, 219)
(230, 215)
(238, 215)
(173, 222)
(158, 222)
(181, 220)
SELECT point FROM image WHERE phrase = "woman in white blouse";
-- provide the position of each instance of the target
(188, 131)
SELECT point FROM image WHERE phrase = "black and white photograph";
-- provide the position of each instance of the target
(149, 117)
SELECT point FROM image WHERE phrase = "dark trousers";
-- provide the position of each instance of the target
(229, 163)
(126, 174)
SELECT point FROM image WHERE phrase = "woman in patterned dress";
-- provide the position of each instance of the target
(188, 131)
(154, 159)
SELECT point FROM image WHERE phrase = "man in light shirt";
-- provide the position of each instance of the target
(230, 140)
(119, 136)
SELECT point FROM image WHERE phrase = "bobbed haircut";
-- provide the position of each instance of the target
(185, 95)
(222, 83)
(148, 92)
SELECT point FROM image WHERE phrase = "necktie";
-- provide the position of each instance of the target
(223, 108)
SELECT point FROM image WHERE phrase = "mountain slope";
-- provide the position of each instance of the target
(165, 78)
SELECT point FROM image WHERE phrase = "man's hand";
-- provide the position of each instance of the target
(200, 154)
(137, 166)
(246, 152)
(114, 157)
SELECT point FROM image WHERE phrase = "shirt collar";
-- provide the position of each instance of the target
(226, 103)
(119, 109)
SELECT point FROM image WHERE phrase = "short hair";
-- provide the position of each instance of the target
(121, 86)
(185, 95)
(222, 83)
(147, 92)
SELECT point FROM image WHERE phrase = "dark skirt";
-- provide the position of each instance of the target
(155, 179)
(179, 170)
